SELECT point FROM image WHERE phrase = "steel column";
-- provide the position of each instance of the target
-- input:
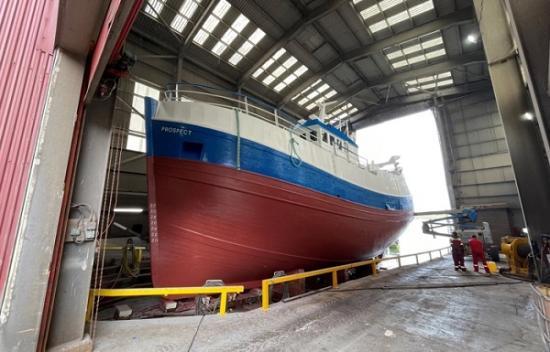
(530, 30)
(30, 267)
(76, 268)
(524, 140)
(445, 143)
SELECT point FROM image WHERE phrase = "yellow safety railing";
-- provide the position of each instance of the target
(168, 291)
(334, 270)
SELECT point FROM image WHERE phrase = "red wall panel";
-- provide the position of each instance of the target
(27, 39)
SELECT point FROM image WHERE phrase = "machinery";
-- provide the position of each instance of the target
(517, 252)
(462, 221)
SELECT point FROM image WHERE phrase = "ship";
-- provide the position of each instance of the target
(236, 193)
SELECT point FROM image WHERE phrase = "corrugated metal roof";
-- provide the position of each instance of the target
(336, 28)
(331, 44)
(260, 16)
(310, 39)
(283, 12)
(346, 75)
(27, 36)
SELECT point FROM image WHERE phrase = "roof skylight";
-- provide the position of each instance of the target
(411, 52)
(382, 21)
(245, 48)
(154, 7)
(378, 8)
(212, 22)
(184, 15)
(314, 93)
(281, 69)
(235, 32)
(342, 112)
(429, 82)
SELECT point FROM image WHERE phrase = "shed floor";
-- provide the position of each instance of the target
(358, 316)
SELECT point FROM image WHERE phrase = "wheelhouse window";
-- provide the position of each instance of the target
(313, 136)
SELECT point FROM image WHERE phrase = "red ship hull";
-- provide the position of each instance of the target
(214, 222)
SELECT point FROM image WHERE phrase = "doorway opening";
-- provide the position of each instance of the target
(415, 138)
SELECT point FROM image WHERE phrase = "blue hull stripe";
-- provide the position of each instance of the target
(184, 141)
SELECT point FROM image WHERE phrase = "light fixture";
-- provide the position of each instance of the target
(524, 230)
(527, 116)
(129, 210)
(471, 38)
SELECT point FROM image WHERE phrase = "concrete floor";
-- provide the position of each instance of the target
(357, 317)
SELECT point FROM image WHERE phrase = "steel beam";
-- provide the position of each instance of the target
(400, 101)
(336, 48)
(316, 14)
(209, 5)
(461, 16)
(460, 90)
(112, 30)
(523, 137)
(410, 104)
(449, 64)
(396, 112)
(77, 25)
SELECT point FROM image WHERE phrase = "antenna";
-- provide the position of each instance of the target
(323, 108)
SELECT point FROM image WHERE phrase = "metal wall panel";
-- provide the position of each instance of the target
(483, 162)
(483, 148)
(484, 176)
(27, 36)
(478, 136)
(477, 122)
(487, 190)
(480, 165)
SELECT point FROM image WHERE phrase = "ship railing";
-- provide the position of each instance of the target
(231, 100)
(267, 283)
(223, 291)
(256, 108)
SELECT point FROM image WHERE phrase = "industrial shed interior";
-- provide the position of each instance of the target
(186, 175)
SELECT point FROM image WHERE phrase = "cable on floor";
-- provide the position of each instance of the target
(196, 332)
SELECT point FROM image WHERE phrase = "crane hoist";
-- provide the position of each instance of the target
(464, 223)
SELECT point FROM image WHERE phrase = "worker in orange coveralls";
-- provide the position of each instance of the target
(478, 253)
(458, 252)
